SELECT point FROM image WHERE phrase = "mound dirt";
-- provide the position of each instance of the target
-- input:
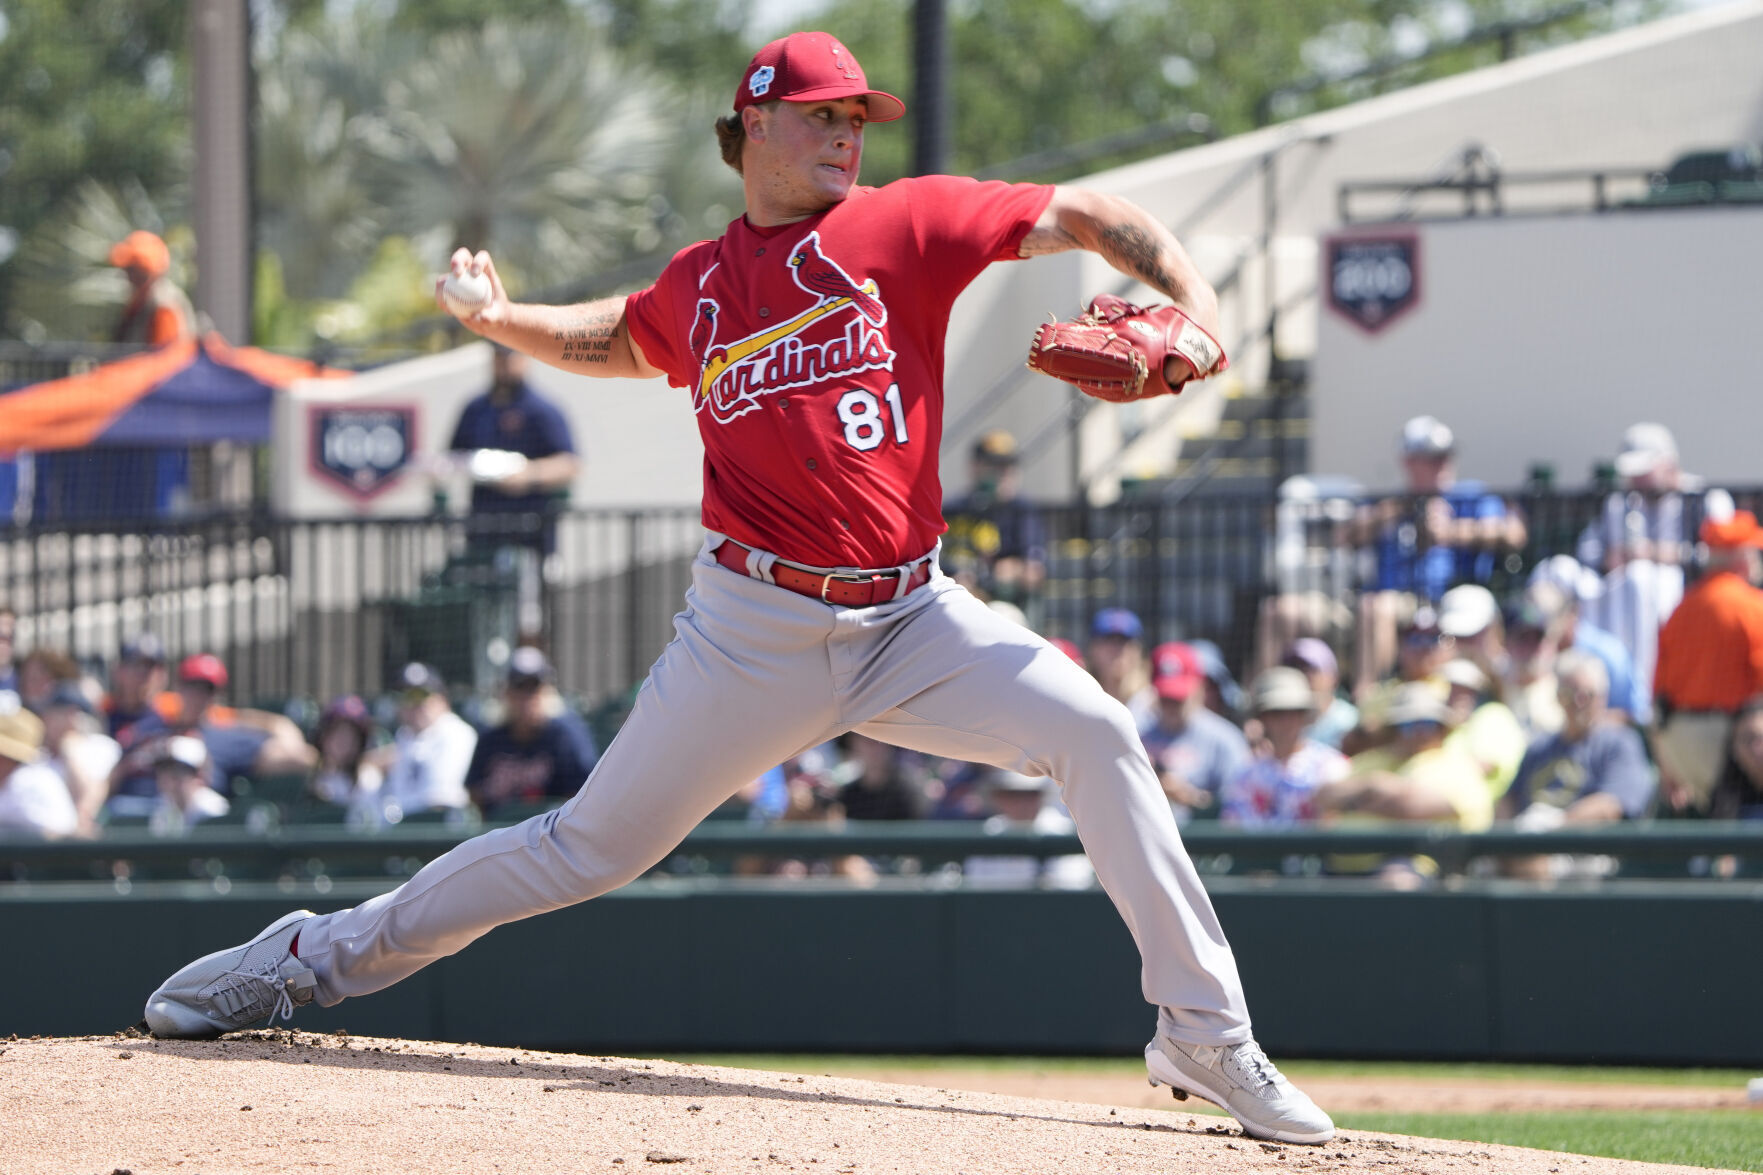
(292, 1101)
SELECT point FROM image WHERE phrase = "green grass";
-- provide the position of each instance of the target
(850, 1065)
(1730, 1139)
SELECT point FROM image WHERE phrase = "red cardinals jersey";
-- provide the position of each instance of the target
(814, 352)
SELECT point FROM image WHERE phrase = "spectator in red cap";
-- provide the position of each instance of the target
(158, 312)
(239, 742)
(1710, 662)
(1194, 750)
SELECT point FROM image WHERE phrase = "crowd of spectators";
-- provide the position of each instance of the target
(1622, 681)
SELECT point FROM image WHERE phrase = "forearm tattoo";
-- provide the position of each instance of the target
(1042, 241)
(589, 339)
(1131, 249)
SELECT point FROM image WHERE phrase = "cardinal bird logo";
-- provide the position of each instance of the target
(703, 329)
(819, 275)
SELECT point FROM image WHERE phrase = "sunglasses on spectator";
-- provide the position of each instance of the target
(1425, 637)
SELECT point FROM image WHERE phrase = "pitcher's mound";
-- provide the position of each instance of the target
(280, 1101)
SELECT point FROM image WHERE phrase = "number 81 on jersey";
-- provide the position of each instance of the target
(861, 414)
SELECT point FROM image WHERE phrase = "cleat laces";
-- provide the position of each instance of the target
(1254, 1071)
(256, 993)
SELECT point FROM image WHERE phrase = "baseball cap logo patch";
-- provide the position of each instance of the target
(761, 80)
(845, 68)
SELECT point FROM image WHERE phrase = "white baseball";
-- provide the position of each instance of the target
(465, 293)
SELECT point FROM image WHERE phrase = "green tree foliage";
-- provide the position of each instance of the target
(1028, 76)
(90, 90)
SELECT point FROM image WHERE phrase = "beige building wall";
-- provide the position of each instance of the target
(1633, 99)
(1542, 338)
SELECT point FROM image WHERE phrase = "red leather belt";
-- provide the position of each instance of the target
(848, 589)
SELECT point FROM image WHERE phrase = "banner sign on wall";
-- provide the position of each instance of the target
(1372, 281)
(361, 449)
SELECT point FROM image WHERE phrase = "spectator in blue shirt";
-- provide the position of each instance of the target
(1439, 533)
(513, 418)
(541, 751)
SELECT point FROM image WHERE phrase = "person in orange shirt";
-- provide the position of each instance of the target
(1710, 662)
(157, 312)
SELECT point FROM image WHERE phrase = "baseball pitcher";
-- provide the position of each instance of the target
(810, 338)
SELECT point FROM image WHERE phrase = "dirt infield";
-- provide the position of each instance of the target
(291, 1101)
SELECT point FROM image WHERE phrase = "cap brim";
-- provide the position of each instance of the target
(1638, 462)
(883, 106)
(17, 751)
(1178, 689)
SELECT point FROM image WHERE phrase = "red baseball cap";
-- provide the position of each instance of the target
(806, 67)
(204, 667)
(1176, 670)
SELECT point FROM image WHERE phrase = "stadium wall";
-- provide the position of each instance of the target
(1659, 974)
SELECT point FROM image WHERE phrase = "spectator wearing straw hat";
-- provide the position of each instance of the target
(1710, 662)
(1278, 787)
(33, 799)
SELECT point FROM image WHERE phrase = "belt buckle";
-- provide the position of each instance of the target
(826, 581)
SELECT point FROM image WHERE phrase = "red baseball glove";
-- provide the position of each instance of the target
(1115, 350)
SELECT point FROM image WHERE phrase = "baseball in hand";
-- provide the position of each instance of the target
(466, 293)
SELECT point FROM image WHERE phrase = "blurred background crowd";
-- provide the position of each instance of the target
(1621, 680)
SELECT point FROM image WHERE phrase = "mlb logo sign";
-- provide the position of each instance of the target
(362, 450)
(1372, 281)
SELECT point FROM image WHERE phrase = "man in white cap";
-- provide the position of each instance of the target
(1638, 545)
(1439, 532)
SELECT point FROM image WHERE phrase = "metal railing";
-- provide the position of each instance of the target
(314, 608)
(1653, 850)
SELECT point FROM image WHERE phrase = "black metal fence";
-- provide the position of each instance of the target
(313, 608)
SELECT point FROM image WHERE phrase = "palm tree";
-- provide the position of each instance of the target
(544, 148)
(531, 140)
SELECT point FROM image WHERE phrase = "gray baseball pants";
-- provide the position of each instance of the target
(757, 674)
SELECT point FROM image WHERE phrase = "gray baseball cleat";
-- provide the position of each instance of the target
(1240, 1079)
(235, 988)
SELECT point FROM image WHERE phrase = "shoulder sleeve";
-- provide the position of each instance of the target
(657, 322)
(1625, 773)
(968, 224)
